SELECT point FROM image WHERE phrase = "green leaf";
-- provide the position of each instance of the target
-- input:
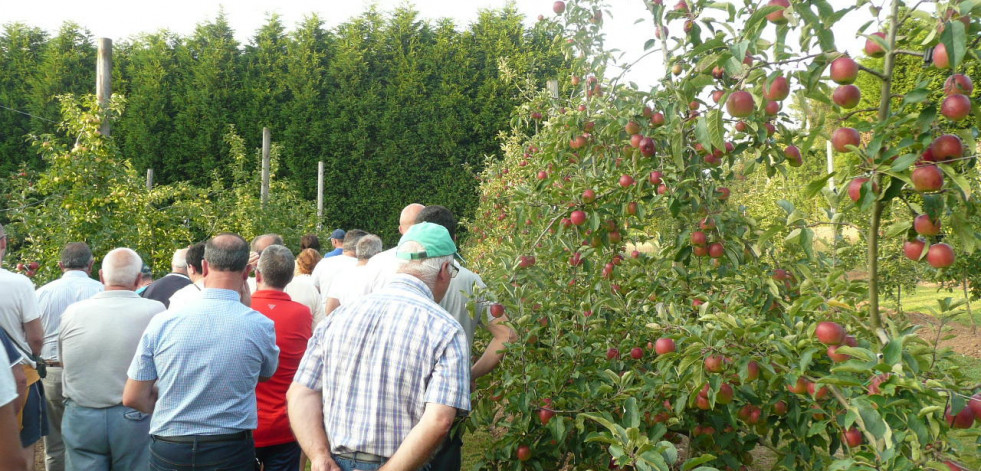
(630, 412)
(916, 95)
(691, 463)
(716, 131)
(903, 162)
(957, 178)
(815, 186)
(893, 351)
(955, 40)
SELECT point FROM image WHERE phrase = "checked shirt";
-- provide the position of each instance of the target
(379, 360)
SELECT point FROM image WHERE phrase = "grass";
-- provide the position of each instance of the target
(924, 299)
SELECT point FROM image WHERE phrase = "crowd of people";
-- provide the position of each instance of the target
(247, 356)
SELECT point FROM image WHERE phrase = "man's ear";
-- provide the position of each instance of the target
(258, 277)
(136, 284)
(101, 279)
(204, 268)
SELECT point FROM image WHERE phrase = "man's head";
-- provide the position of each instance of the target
(428, 250)
(367, 247)
(351, 239)
(337, 238)
(310, 241)
(226, 252)
(178, 264)
(261, 242)
(408, 216)
(121, 269)
(193, 256)
(76, 256)
(439, 215)
(275, 269)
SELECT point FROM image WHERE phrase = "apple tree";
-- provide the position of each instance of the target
(654, 307)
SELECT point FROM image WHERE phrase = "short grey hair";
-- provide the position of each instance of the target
(425, 269)
(76, 256)
(276, 266)
(351, 239)
(179, 261)
(121, 267)
(368, 246)
(227, 252)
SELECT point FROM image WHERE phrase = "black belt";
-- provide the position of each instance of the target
(227, 437)
(362, 457)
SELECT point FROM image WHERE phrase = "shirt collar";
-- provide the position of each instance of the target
(219, 293)
(75, 274)
(271, 294)
(117, 293)
(411, 283)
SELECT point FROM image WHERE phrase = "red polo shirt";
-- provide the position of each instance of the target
(294, 326)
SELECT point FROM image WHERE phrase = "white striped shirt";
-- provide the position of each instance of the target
(53, 298)
(379, 360)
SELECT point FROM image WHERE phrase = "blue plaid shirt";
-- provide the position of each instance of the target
(379, 360)
(206, 358)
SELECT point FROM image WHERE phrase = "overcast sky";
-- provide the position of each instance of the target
(119, 19)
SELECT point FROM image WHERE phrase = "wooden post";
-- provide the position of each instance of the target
(553, 88)
(103, 80)
(149, 179)
(831, 167)
(264, 195)
(320, 194)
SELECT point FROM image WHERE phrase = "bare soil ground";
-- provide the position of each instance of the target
(963, 341)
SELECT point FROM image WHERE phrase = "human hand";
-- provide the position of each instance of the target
(324, 463)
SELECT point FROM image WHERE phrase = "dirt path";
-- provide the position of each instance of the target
(963, 342)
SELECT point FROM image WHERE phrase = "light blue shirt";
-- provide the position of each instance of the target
(53, 298)
(206, 358)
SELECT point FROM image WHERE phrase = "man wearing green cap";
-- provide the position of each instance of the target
(385, 375)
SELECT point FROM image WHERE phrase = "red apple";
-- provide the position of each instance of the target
(778, 90)
(792, 153)
(740, 104)
(940, 256)
(940, 58)
(913, 249)
(698, 238)
(655, 177)
(497, 309)
(741, 126)
(717, 95)
(524, 452)
(927, 178)
(772, 108)
(956, 107)
(702, 402)
(647, 147)
(975, 405)
(545, 415)
(589, 195)
(723, 193)
(657, 119)
(626, 180)
(752, 371)
(578, 217)
(800, 387)
(954, 466)
(830, 333)
(844, 70)
(925, 225)
(947, 147)
(707, 224)
(725, 394)
(700, 250)
(664, 345)
(835, 356)
(847, 96)
(21, 267)
(853, 437)
(876, 381)
(817, 394)
(635, 140)
(558, 7)
(577, 142)
(843, 137)
(778, 16)
(780, 408)
(716, 250)
(636, 353)
(662, 189)
(632, 128)
(872, 48)
(612, 354)
(714, 363)
(958, 84)
(855, 188)
(963, 419)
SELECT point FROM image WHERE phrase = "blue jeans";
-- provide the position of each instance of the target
(351, 465)
(238, 455)
(103, 439)
(283, 457)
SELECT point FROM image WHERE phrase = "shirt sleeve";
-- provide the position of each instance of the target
(450, 382)
(270, 351)
(8, 387)
(142, 367)
(29, 306)
(311, 370)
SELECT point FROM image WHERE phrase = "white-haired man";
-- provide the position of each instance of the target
(162, 289)
(97, 342)
(385, 376)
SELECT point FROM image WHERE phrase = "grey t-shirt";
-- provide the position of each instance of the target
(97, 342)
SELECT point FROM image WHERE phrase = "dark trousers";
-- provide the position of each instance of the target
(283, 457)
(238, 455)
(449, 456)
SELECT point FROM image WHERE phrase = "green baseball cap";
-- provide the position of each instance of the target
(434, 238)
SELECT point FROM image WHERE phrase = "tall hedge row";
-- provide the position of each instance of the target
(400, 108)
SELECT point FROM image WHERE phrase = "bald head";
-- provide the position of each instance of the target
(227, 252)
(121, 269)
(408, 216)
(178, 264)
(261, 242)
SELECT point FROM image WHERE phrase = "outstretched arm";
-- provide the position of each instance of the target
(495, 349)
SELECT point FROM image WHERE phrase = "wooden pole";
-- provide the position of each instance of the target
(320, 194)
(149, 179)
(553, 88)
(103, 79)
(266, 138)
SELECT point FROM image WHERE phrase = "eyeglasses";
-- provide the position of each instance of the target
(454, 270)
